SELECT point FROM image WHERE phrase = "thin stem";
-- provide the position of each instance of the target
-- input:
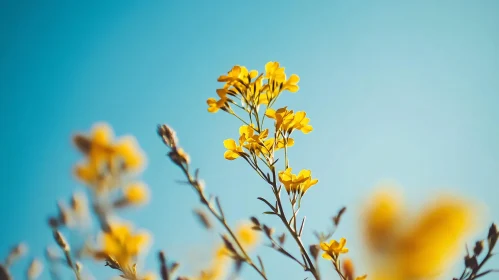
(195, 184)
(281, 214)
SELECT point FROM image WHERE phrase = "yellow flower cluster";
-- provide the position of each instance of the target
(108, 170)
(106, 159)
(252, 89)
(418, 247)
(255, 141)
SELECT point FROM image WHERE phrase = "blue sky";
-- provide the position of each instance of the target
(396, 90)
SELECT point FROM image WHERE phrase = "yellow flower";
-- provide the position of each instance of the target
(334, 248)
(238, 74)
(233, 150)
(274, 72)
(122, 245)
(292, 84)
(136, 193)
(287, 121)
(214, 105)
(248, 139)
(418, 247)
(382, 217)
(102, 155)
(277, 78)
(128, 150)
(221, 260)
(247, 236)
(297, 183)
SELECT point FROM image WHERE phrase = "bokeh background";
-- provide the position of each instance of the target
(406, 91)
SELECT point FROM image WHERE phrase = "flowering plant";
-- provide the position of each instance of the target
(399, 245)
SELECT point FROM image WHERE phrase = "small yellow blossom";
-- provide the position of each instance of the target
(128, 150)
(277, 82)
(214, 105)
(248, 139)
(136, 193)
(274, 72)
(334, 248)
(297, 183)
(237, 75)
(287, 121)
(233, 150)
(247, 235)
(121, 244)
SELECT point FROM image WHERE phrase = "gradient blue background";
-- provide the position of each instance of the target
(401, 91)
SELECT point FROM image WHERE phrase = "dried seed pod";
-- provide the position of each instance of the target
(477, 250)
(229, 245)
(61, 241)
(282, 238)
(268, 231)
(35, 269)
(337, 218)
(4, 273)
(82, 143)
(492, 236)
(314, 250)
(203, 218)
(470, 262)
(112, 263)
(255, 221)
(168, 135)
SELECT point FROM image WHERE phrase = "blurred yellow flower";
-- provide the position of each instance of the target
(102, 155)
(122, 245)
(128, 150)
(247, 235)
(420, 247)
(334, 248)
(136, 193)
(349, 270)
(248, 238)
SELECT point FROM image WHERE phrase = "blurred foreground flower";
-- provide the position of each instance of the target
(106, 158)
(421, 246)
(123, 245)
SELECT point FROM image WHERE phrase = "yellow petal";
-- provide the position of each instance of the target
(307, 129)
(137, 193)
(230, 155)
(327, 256)
(270, 113)
(102, 134)
(129, 150)
(230, 144)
